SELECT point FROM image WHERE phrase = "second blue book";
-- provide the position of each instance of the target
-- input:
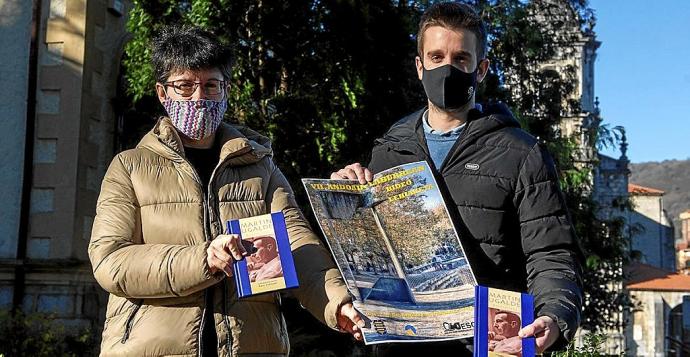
(498, 316)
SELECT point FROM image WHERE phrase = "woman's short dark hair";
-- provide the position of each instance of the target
(180, 48)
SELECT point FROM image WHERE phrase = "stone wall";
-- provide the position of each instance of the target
(683, 251)
(610, 183)
(79, 51)
(648, 329)
(15, 39)
(653, 236)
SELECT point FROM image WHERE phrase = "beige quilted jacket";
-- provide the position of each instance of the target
(149, 240)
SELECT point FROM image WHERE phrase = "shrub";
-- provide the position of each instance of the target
(40, 334)
(592, 346)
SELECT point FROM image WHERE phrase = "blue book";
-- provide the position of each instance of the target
(498, 316)
(269, 265)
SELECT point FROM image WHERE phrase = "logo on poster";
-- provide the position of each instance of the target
(379, 326)
(458, 326)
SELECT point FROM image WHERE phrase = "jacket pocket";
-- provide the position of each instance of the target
(130, 321)
(489, 226)
(258, 328)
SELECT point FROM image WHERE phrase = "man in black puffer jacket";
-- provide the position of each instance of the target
(500, 185)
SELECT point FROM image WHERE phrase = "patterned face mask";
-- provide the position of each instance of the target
(196, 119)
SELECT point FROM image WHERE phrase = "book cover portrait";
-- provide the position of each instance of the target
(264, 261)
(269, 265)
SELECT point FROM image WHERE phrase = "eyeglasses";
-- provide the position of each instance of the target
(185, 88)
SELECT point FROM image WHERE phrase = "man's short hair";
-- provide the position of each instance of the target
(181, 48)
(453, 16)
(266, 240)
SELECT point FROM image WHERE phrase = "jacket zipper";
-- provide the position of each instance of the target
(459, 144)
(226, 321)
(207, 198)
(130, 321)
(424, 146)
(207, 235)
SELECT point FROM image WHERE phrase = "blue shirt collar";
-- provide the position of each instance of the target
(452, 132)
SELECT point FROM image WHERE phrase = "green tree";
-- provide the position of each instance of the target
(320, 78)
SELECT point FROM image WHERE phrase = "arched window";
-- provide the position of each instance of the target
(677, 337)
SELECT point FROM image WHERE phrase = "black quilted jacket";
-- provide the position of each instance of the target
(501, 188)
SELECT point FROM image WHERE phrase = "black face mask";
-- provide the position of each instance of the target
(448, 87)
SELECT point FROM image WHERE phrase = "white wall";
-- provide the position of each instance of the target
(655, 242)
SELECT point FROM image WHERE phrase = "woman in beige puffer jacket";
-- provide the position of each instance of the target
(153, 238)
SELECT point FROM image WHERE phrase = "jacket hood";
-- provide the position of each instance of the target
(494, 116)
(239, 144)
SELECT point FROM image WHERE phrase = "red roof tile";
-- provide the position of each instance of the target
(643, 191)
(646, 277)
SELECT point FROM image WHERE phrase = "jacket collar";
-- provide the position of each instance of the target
(409, 129)
(239, 145)
(407, 135)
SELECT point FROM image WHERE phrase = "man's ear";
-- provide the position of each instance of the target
(420, 67)
(483, 69)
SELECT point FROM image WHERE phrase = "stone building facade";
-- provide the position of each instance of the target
(653, 236)
(61, 63)
(660, 322)
(574, 62)
(610, 183)
(683, 244)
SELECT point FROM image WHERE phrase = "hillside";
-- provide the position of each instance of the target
(672, 176)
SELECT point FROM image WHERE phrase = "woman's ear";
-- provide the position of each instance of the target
(160, 91)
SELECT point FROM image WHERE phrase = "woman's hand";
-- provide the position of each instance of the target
(223, 251)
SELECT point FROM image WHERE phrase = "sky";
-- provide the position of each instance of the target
(642, 75)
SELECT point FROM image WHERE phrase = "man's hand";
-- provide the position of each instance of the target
(353, 172)
(349, 321)
(545, 332)
(223, 251)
